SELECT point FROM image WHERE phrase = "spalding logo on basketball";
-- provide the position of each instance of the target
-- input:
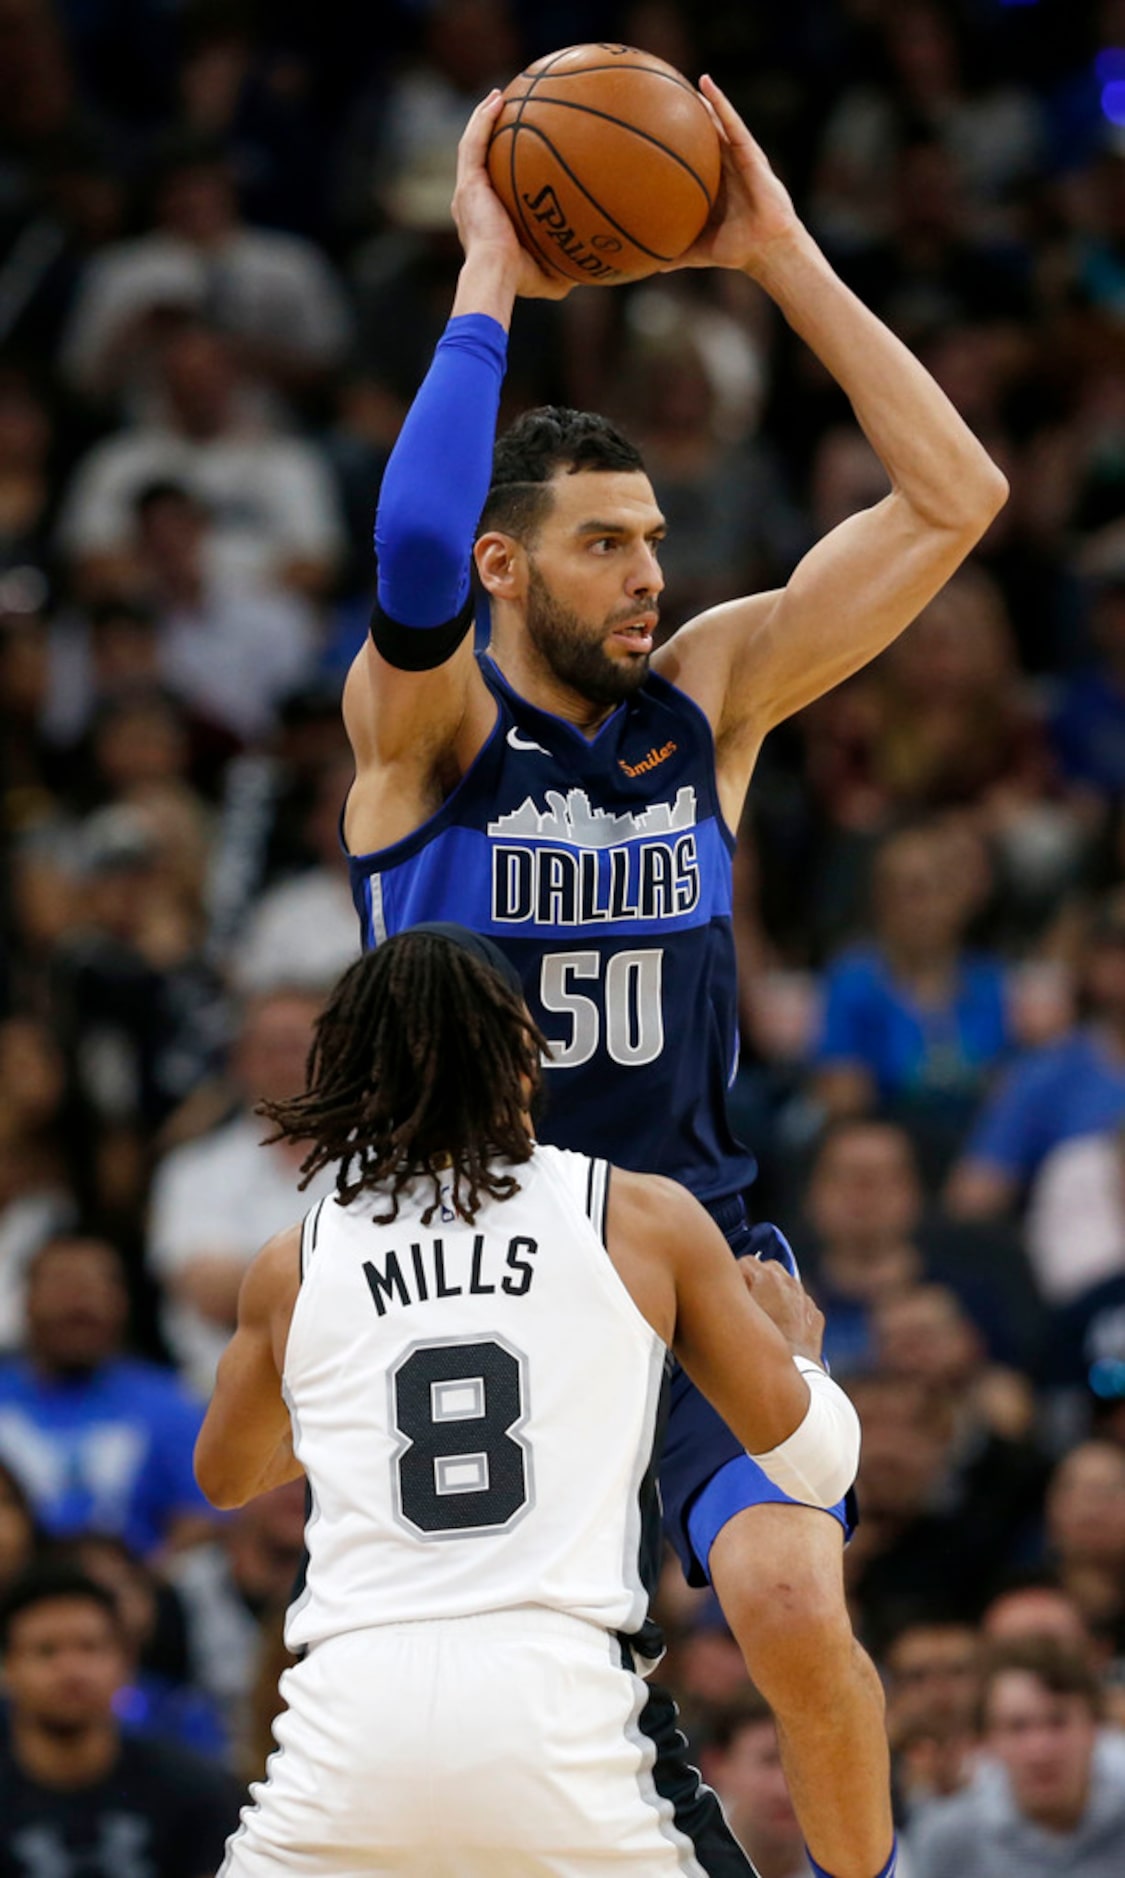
(607, 160)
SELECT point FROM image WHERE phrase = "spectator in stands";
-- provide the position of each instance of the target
(27, 778)
(230, 1590)
(1088, 721)
(27, 490)
(914, 1021)
(1060, 1805)
(1075, 1227)
(270, 495)
(257, 96)
(1035, 1604)
(871, 1244)
(864, 1204)
(1086, 1533)
(79, 1794)
(303, 930)
(274, 294)
(954, 724)
(1074, 1087)
(62, 194)
(137, 1011)
(21, 1537)
(230, 652)
(742, 1761)
(933, 270)
(160, 1698)
(1082, 1365)
(939, 1526)
(920, 80)
(216, 1200)
(931, 1668)
(35, 1201)
(99, 1439)
(730, 525)
(926, 1332)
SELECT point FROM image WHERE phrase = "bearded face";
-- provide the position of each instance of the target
(576, 651)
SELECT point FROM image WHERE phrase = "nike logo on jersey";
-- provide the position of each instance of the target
(516, 742)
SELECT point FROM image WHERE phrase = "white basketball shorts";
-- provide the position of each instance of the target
(500, 1746)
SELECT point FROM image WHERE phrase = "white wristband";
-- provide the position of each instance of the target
(817, 1463)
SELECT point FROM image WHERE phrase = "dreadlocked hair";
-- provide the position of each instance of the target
(423, 1063)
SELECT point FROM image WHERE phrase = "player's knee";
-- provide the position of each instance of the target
(794, 1633)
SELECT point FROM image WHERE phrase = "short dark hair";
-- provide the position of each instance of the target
(1059, 1668)
(534, 448)
(51, 1583)
(164, 489)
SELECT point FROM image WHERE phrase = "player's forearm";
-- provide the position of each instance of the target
(242, 1451)
(486, 284)
(928, 451)
(438, 475)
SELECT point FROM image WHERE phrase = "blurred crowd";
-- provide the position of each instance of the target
(225, 257)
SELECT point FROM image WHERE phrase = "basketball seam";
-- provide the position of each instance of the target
(607, 117)
(532, 130)
(528, 230)
(670, 78)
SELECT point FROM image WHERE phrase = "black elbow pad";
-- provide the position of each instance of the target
(418, 648)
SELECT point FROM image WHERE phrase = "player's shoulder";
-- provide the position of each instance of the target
(651, 1204)
(273, 1275)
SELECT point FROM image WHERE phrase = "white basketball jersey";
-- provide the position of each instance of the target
(475, 1408)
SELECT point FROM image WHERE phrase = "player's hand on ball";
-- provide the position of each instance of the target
(483, 223)
(787, 1302)
(753, 209)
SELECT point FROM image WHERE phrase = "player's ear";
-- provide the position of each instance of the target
(501, 565)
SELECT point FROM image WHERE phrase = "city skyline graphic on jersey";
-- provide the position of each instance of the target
(570, 818)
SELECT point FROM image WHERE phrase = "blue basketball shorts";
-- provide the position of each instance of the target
(706, 1476)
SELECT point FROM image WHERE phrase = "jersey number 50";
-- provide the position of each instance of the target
(628, 1011)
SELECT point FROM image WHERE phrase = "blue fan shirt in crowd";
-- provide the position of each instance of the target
(109, 1452)
(914, 1052)
(1088, 732)
(1070, 1088)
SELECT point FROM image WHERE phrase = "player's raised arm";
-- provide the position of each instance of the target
(769, 1387)
(753, 662)
(414, 689)
(245, 1445)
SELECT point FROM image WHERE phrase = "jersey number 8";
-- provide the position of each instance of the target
(461, 1468)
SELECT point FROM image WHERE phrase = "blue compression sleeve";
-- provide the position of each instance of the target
(436, 481)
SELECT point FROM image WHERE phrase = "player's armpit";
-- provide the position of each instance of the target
(244, 1446)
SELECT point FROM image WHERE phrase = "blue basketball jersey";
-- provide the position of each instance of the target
(602, 866)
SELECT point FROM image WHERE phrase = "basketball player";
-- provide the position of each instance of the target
(463, 1349)
(573, 794)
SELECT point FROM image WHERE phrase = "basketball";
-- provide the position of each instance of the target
(607, 161)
